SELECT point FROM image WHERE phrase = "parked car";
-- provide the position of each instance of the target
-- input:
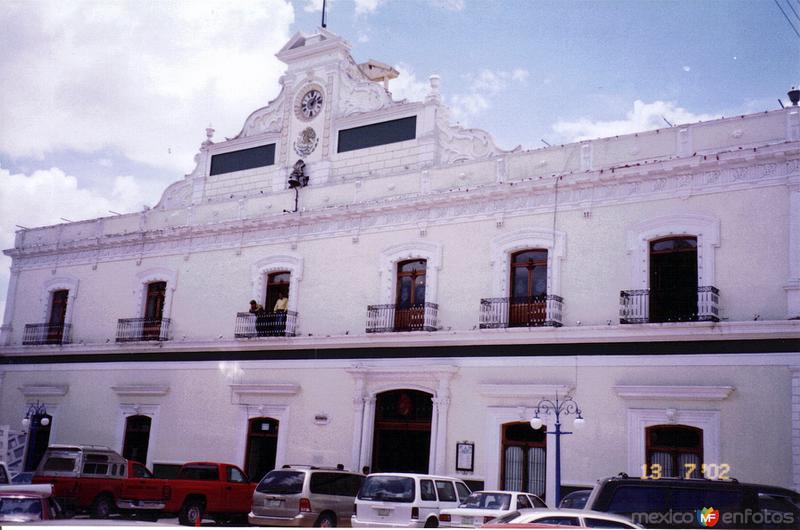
(29, 505)
(575, 500)
(567, 518)
(305, 496)
(675, 502)
(222, 491)
(406, 499)
(98, 480)
(483, 506)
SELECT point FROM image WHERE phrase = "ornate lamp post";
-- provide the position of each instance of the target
(36, 415)
(566, 406)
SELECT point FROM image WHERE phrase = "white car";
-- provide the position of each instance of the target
(579, 518)
(483, 506)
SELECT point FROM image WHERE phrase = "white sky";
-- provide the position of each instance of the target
(104, 103)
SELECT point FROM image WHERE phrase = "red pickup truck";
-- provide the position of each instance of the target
(220, 490)
(98, 480)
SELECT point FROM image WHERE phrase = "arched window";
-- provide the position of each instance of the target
(673, 279)
(57, 317)
(528, 303)
(524, 458)
(137, 437)
(277, 284)
(410, 306)
(402, 435)
(676, 449)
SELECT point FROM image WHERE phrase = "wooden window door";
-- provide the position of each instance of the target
(58, 315)
(410, 304)
(528, 303)
(673, 279)
(524, 458)
(677, 450)
(154, 310)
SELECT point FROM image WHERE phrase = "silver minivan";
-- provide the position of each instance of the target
(305, 496)
(406, 499)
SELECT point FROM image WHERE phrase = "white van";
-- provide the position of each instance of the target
(406, 500)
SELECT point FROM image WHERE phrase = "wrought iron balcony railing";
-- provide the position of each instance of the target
(37, 334)
(140, 329)
(267, 324)
(642, 306)
(386, 318)
(521, 311)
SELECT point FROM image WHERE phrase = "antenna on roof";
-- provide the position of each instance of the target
(667, 121)
(324, 4)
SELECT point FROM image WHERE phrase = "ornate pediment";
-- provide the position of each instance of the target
(459, 144)
(359, 94)
(266, 119)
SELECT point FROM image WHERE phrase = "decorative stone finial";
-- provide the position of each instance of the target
(209, 135)
(434, 94)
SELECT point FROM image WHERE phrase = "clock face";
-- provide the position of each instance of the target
(310, 104)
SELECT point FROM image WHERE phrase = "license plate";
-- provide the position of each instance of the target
(383, 512)
(467, 520)
(272, 503)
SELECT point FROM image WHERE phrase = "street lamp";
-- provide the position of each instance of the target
(36, 412)
(566, 407)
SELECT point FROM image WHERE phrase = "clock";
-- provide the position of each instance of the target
(309, 104)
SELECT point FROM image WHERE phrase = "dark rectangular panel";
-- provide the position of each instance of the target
(263, 155)
(386, 132)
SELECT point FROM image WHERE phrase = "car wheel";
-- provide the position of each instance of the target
(191, 513)
(102, 507)
(431, 523)
(326, 520)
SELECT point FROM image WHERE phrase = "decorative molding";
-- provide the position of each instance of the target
(69, 283)
(705, 228)
(155, 274)
(505, 245)
(264, 389)
(356, 93)
(140, 390)
(526, 197)
(640, 419)
(291, 262)
(387, 267)
(529, 392)
(32, 391)
(458, 144)
(699, 392)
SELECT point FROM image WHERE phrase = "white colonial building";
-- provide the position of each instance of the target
(435, 289)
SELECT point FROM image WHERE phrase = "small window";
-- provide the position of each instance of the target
(235, 475)
(59, 464)
(323, 483)
(376, 134)
(446, 491)
(463, 491)
(166, 470)
(388, 489)
(93, 468)
(537, 502)
(282, 482)
(263, 155)
(427, 491)
(199, 472)
(564, 521)
(347, 485)
(630, 499)
(523, 502)
(139, 471)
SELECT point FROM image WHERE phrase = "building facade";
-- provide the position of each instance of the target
(422, 291)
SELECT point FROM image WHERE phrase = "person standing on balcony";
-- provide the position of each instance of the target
(281, 305)
(261, 317)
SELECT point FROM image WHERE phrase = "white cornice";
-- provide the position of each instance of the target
(699, 392)
(264, 389)
(32, 391)
(141, 390)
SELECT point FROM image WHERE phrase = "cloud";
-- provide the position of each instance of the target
(482, 87)
(407, 86)
(643, 117)
(313, 6)
(145, 79)
(43, 197)
(687, 68)
(365, 7)
(450, 5)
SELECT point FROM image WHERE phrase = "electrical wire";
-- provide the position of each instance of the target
(787, 18)
(793, 10)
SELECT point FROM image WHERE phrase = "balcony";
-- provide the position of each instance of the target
(268, 324)
(521, 312)
(644, 306)
(39, 334)
(387, 318)
(142, 329)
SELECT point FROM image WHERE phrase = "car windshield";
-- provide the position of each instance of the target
(20, 509)
(487, 501)
(391, 489)
(282, 482)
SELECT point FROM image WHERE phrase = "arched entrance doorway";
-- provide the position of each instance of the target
(402, 438)
(262, 447)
